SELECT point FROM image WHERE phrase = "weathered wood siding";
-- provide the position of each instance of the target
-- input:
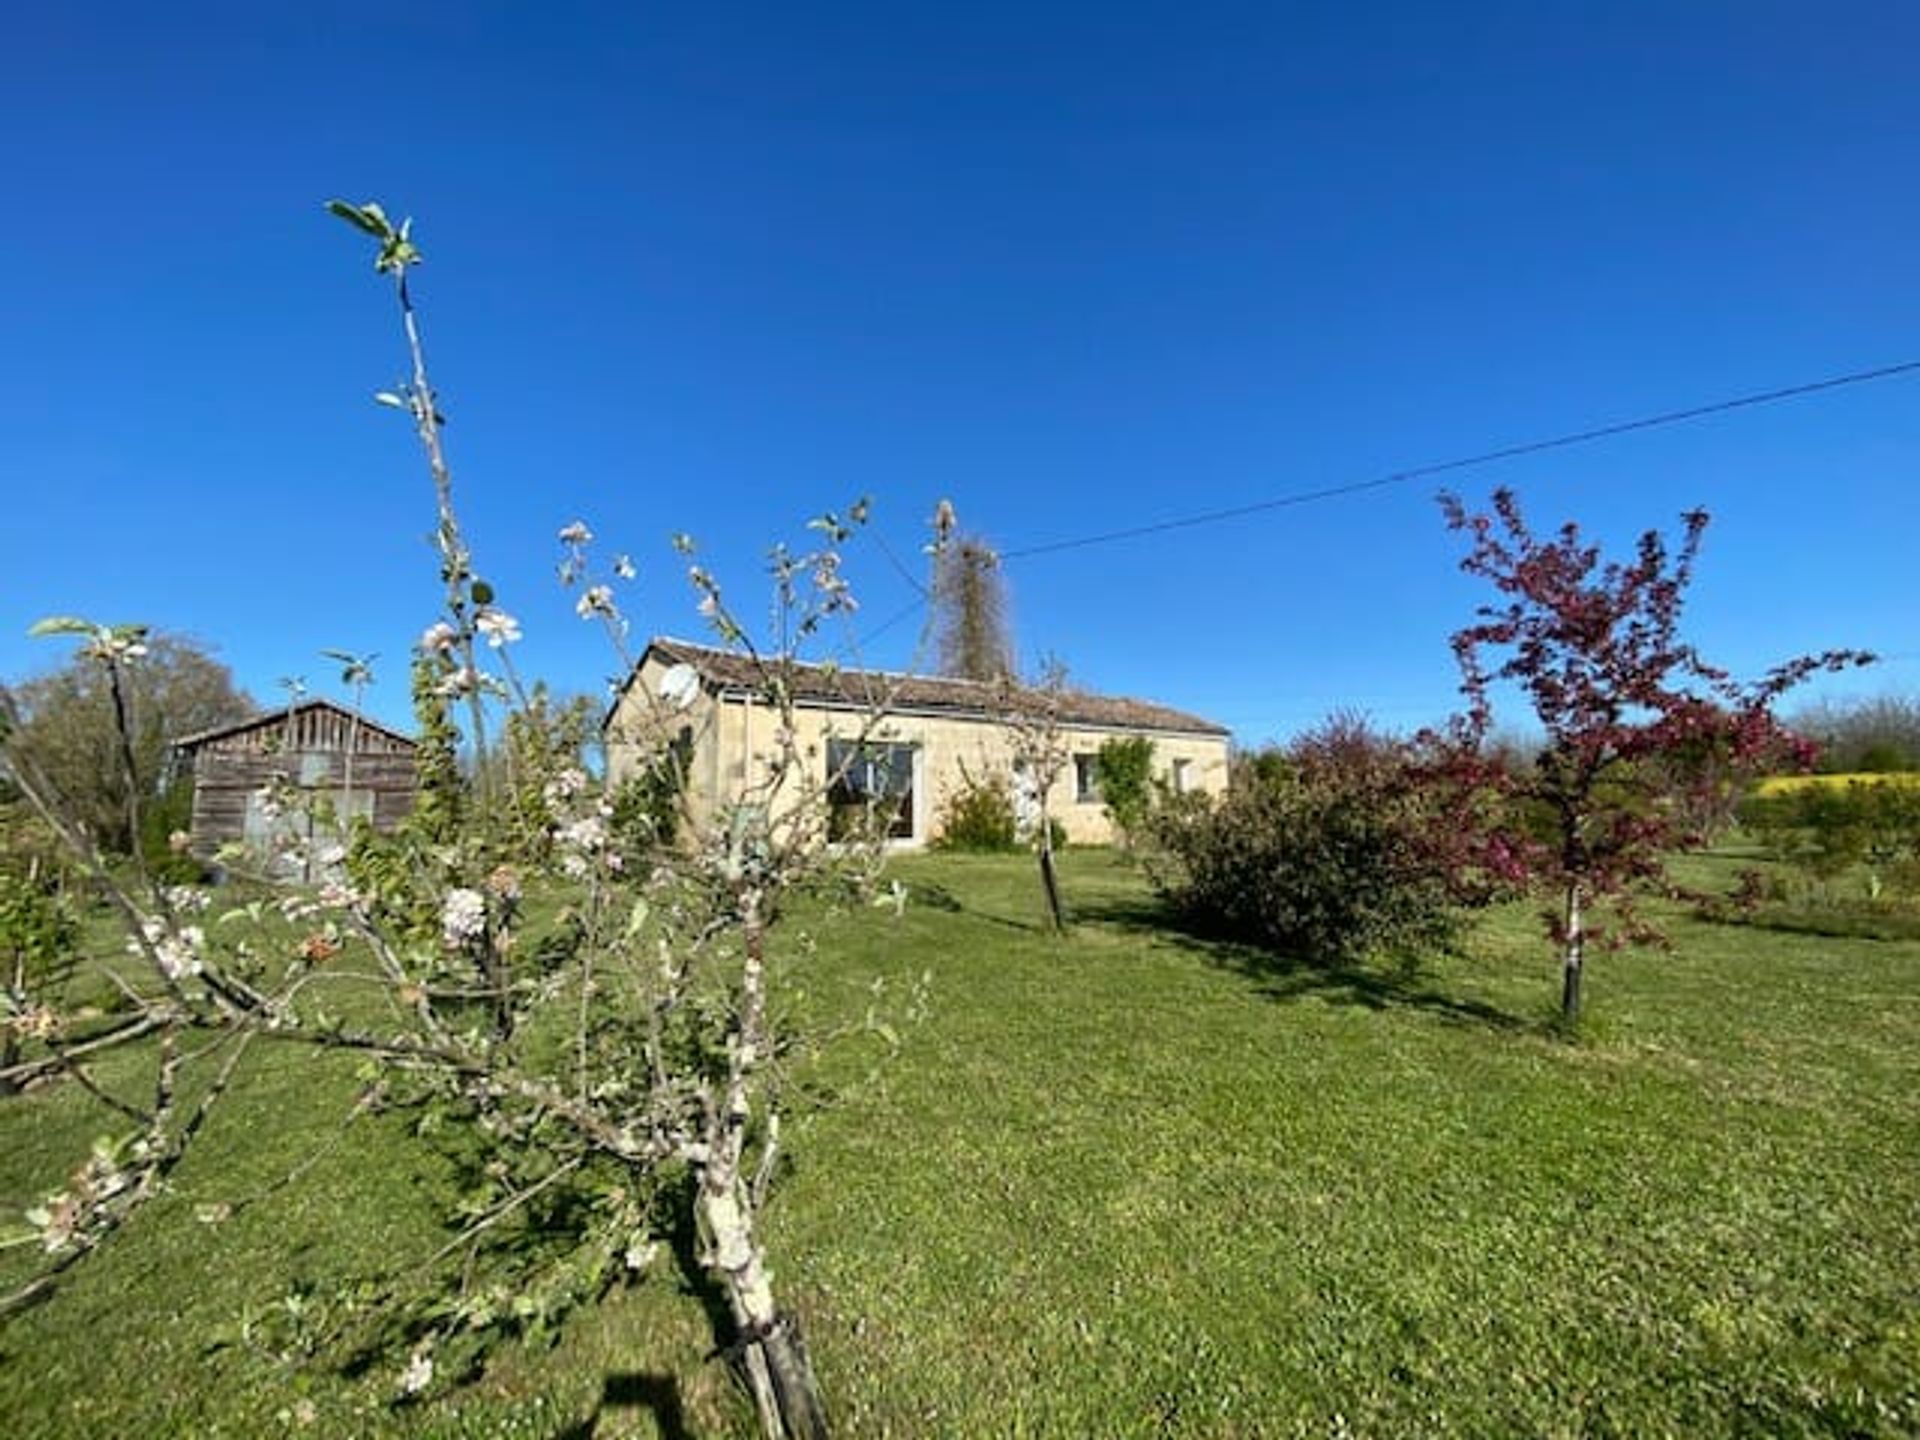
(307, 749)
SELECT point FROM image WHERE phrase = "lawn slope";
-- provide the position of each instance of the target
(1131, 1183)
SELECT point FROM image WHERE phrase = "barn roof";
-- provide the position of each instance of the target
(733, 673)
(281, 716)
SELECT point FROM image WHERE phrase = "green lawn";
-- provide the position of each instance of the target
(1132, 1184)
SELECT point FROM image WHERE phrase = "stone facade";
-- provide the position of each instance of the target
(726, 733)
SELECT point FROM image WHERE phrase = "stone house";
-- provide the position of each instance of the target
(937, 736)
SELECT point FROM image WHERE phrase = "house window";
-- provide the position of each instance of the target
(1086, 779)
(869, 790)
(1182, 776)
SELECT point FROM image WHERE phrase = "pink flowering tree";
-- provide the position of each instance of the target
(1637, 725)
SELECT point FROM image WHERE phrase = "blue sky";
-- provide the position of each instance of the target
(715, 269)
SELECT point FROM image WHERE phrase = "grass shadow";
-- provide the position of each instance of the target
(1283, 978)
(939, 897)
(655, 1392)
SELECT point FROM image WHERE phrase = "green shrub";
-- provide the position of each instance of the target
(646, 805)
(1328, 853)
(168, 814)
(980, 818)
(1124, 769)
(37, 931)
(1827, 832)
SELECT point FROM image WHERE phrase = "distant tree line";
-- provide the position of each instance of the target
(1863, 736)
(64, 723)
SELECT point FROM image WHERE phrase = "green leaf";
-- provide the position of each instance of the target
(62, 625)
(482, 593)
(369, 217)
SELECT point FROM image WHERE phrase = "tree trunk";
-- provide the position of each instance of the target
(1575, 953)
(10, 1047)
(345, 818)
(1049, 878)
(778, 1373)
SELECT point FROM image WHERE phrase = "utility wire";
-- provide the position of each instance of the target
(905, 574)
(912, 607)
(1418, 472)
(1487, 457)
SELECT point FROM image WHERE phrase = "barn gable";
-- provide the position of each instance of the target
(323, 749)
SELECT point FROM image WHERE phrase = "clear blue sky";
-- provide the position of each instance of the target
(713, 269)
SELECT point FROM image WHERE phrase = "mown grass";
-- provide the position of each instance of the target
(1131, 1183)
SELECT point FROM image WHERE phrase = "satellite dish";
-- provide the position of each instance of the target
(679, 685)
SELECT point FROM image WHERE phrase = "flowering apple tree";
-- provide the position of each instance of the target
(599, 1071)
(1032, 717)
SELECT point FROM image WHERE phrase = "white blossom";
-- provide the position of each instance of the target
(595, 600)
(109, 643)
(624, 567)
(188, 899)
(499, 627)
(418, 1374)
(438, 638)
(463, 916)
(587, 834)
(576, 533)
(177, 949)
(337, 896)
(40, 1022)
(564, 786)
(462, 681)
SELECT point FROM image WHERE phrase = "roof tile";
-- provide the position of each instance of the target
(835, 686)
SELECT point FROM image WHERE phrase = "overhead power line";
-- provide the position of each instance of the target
(1465, 462)
(900, 566)
(1423, 472)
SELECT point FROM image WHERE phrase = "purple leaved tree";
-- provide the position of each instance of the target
(1636, 724)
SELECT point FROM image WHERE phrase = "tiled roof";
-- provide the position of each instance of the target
(831, 685)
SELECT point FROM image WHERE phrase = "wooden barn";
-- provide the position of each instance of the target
(321, 748)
